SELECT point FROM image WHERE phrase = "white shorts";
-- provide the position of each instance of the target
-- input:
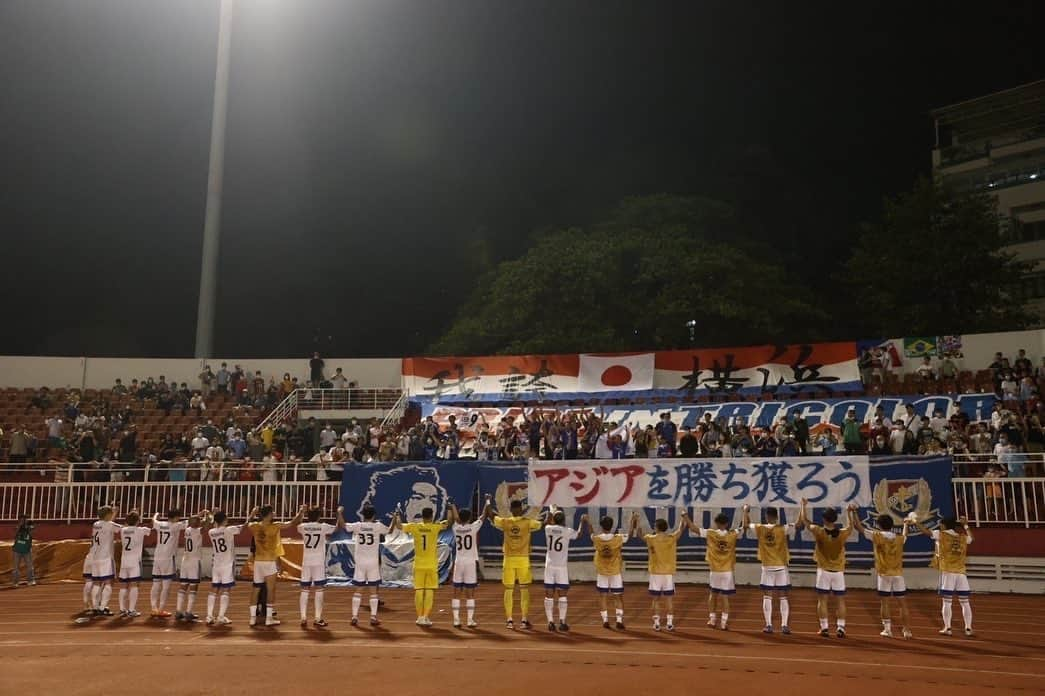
(722, 582)
(891, 586)
(954, 584)
(163, 569)
(661, 585)
(103, 570)
(222, 576)
(263, 570)
(314, 575)
(190, 570)
(87, 567)
(775, 579)
(466, 574)
(368, 573)
(131, 572)
(557, 578)
(609, 583)
(830, 581)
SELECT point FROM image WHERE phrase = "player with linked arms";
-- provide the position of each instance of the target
(556, 565)
(466, 559)
(367, 535)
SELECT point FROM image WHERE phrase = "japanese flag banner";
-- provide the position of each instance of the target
(702, 483)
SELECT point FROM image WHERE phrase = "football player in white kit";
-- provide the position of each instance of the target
(102, 569)
(189, 569)
(222, 575)
(556, 574)
(314, 564)
(168, 534)
(88, 581)
(367, 536)
(132, 542)
(466, 560)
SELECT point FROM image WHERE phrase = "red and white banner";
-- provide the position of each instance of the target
(780, 370)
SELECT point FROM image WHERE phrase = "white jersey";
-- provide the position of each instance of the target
(132, 541)
(101, 539)
(466, 540)
(368, 540)
(314, 535)
(193, 542)
(558, 539)
(223, 540)
(167, 534)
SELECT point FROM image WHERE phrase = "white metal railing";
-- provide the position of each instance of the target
(69, 502)
(347, 399)
(284, 410)
(972, 465)
(994, 500)
(397, 411)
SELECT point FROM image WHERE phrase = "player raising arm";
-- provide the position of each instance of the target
(132, 541)
(222, 574)
(466, 560)
(829, 554)
(367, 535)
(102, 567)
(268, 549)
(517, 530)
(663, 552)
(888, 566)
(774, 555)
(953, 541)
(609, 567)
(314, 536)
(556, 559)
(721, 555)
(168, 534)
(191, 560)
(426, 560)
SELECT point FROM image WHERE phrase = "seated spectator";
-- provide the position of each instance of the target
(880, 445)
(244, 399)
(1010, 390)
(197, 404)
(119, 389)
(162, 387)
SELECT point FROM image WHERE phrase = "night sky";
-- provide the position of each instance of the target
(371, 143)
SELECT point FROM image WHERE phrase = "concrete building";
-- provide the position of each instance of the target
(997, 143)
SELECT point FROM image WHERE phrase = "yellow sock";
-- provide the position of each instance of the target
(509, 602)
(419, 601)
(524, 601)
(429, 600)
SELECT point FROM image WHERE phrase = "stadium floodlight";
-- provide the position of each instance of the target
(215, 176)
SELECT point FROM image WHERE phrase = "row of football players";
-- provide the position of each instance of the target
(830, 538)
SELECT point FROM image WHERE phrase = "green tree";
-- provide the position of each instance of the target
(935, 265)
(632, 283)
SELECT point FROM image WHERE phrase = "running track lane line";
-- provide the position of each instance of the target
(645, 653)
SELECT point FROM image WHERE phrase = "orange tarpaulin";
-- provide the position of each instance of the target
(53, 561)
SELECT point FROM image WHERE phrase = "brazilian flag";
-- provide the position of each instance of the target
(918, 346)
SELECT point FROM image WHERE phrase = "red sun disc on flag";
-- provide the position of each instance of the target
(616, 376)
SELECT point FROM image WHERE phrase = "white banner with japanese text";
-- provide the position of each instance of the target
(714, 482)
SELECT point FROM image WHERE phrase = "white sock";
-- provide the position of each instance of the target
(165, 590)
(304, 604)
(189, 601)
(966, 611)
(671, 619)
(725, 618)
(563, 603)
(132, 603)
(375, 602)
(224, 605)
(840, 623)
(887, 624)
(318, 604)
(88, 588)
(785, 611)
(123, 599)
(253, 612)
(455, 609)
(712, 615)
(947, 609)
(549, 607)
(179, 601)
(106, 596)
(767, 609)
(470, 604)
(210, 604)
(656, 619)
(620, 614)
(823, 623)
(154, 595)
(357, 601)
(605, 616)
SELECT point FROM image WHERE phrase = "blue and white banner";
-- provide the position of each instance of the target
(409, 487)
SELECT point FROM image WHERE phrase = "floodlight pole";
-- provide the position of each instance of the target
(215, 176)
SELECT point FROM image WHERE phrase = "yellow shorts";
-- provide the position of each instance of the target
(426, 579)
(516, 570)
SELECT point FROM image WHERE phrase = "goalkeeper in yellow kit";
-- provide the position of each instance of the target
(426, 561)
(516, 570)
